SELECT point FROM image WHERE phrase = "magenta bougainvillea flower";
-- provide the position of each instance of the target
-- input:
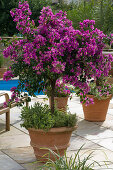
(55, 49)
(61, 90)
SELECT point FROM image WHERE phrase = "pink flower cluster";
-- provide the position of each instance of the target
(7, 75)
(14, 97)
(104, 90)
(55, 49)
(58, 67)
(62, 88)
(87, 100)
(22, 17)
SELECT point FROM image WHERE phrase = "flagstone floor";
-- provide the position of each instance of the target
(97, 137)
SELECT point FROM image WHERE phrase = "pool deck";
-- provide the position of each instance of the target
(17, 154)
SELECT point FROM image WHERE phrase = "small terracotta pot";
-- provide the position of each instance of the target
(56, 139)
(96, 112)
(60, 103)
(2, 71)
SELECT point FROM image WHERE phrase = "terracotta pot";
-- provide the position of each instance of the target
(60, 103)
(96, 112)
(2, 71)
(56, 139)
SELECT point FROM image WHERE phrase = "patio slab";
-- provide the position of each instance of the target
(21, 155)
(33, 166)
(13, 139)
(6, 163)
(86, 128)
(100, 155)
(77, 141)
(108, 123)
(106, 143)
(18, 126)
(93, 136)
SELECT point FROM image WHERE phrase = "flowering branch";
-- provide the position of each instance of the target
(55, 49)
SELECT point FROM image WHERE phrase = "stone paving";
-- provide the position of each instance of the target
(97, 137)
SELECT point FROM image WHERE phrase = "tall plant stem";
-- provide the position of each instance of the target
(53, 82)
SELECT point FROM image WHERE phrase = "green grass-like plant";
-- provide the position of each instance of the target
(72, 163)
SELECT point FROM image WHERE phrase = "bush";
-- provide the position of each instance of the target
(39, 116)
(63, 119)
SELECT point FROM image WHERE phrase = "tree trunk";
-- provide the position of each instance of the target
(99, 81)
(52, 95)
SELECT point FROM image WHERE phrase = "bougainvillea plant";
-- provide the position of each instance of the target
(55, 49)
(61, 90)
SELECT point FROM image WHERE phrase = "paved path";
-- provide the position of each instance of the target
(17, 154)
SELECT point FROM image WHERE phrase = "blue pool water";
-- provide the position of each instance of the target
(7, 85)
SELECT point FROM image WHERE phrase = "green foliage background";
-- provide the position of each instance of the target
(99, 10)
(7, 26)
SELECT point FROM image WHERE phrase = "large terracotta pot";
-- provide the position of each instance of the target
(56, 139)
(96, 112)
(2, 71)
(60, 102)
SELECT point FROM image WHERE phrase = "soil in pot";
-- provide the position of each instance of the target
(96, 112)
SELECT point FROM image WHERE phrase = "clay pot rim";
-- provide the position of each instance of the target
(55, 130)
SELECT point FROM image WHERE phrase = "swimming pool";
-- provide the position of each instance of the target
(7, 85)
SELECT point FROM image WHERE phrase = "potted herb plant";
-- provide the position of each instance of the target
(47, 130)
